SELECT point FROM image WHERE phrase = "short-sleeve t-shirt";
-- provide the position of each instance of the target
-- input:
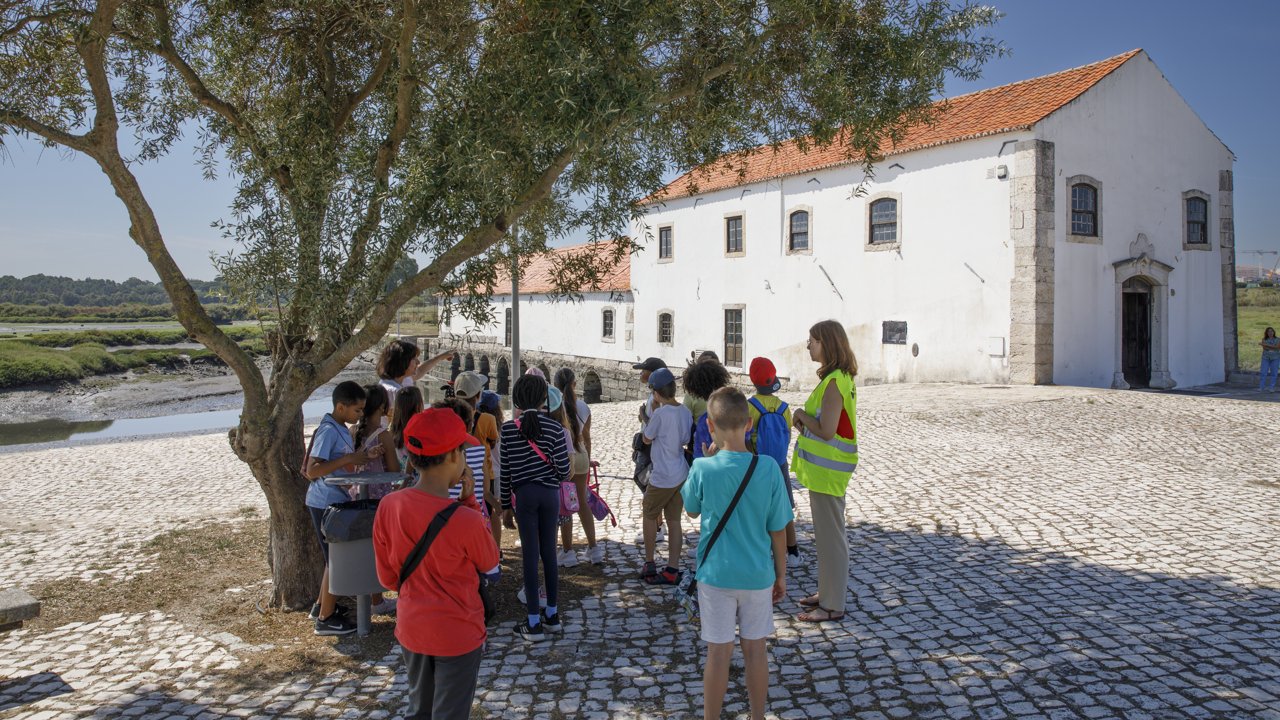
(1271, 348)
(742, 558)
(668, 429)
(332, 440)
(697, 406)
(391, 387)
(440, 612)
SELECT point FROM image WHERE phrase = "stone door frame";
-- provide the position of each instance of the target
(1155, 274)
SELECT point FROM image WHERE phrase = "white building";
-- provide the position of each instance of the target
(1074, 228)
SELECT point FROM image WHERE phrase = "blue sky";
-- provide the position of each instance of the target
(58, 215)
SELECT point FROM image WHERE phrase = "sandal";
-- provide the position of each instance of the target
(809, 602)
(648, 572)
(820, 614)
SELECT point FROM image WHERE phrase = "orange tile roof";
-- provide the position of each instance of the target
(1017, 106)
(539, 276)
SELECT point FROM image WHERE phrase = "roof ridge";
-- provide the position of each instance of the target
(1124, 56)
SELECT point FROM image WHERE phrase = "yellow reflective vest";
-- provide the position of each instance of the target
(825, 466)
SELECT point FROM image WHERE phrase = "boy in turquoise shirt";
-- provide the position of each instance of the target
(745, 574)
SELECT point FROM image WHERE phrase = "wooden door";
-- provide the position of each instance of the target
(1136, 338)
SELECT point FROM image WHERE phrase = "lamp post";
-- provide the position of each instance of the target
(515, 310)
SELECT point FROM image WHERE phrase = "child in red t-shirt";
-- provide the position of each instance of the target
(440, 622)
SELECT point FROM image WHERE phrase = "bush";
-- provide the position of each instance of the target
(133, 336)
(23, 363)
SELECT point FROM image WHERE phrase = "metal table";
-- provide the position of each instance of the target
(364, 603)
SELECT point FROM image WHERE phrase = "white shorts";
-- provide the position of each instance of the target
(722, 611)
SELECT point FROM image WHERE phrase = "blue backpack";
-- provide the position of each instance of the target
(771, 435)
(701, 435)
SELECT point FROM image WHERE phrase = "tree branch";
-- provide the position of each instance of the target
(21, 23)
(475, 242)
(390, 148)
(144, 228)
(370, 84)
(22, 121)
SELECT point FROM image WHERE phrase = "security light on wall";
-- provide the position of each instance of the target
(1002, 171)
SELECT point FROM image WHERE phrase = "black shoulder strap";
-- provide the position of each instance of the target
(424, 543)
(715, 534)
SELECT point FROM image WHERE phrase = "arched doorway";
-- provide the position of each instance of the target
(504, 377)
(469, 362)
(455, 367)
(592, 390)
(1135, 332)
(485, 367)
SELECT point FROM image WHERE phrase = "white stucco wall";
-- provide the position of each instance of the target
(1136, 135)
(949, 281)
(561, 326)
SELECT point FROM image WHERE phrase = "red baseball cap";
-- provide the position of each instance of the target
(436, 431)
(764, 375)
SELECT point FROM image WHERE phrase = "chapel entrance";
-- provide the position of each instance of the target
(1135, 332)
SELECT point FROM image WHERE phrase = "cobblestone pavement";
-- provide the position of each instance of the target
(1017, 552)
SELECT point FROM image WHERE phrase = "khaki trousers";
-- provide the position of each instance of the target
(832, 540)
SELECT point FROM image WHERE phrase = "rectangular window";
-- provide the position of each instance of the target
(884, 221)
(798, 237)
(1197, 221)
(607, 330)
(1084, 210)
(733, 234)
(733, 337)
(664, 328)
(664, 243)
(508, 329)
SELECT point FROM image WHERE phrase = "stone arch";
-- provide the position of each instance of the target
(504, 376)
(1154, 275)
(455, 367)
(545, 370)
(485, 367)
(524, 367)
(469, 362)
(592, 389)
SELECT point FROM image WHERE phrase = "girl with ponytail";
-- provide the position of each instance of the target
(579, 414)
(534, 461)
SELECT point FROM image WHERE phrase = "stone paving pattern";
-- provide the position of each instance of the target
(1021, 552)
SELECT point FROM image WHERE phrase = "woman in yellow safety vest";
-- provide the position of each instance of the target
(825, 457)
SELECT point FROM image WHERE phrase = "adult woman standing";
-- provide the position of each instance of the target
(825, 457)
(1270, 360)
(399, 367)
(579, 414)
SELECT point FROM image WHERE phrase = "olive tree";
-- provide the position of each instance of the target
(359, 131)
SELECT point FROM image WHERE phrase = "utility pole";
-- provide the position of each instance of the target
(515, 310)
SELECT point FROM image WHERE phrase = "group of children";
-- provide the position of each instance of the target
(437, 541)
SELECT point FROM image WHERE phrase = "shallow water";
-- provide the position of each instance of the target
(41, 431)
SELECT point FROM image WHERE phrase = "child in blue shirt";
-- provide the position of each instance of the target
(745, 573)
(333, 452)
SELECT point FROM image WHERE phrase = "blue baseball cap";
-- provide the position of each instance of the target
(554, 399)
(661, 378)
(490, 400)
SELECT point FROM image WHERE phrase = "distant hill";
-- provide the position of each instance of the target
(56, 290)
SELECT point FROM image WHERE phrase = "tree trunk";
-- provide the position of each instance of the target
(293, 552)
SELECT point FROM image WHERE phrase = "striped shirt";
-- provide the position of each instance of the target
(475, 461)
(521, 465)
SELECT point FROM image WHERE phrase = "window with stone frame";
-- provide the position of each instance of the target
(798, 231)
(1084, 210)
(666, 239)
(883, 214)
(606, 323)
(733, 337)
(666, 328)
(1197, 214)
(507, 333)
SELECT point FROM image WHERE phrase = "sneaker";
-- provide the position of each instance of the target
(596, 555)
(335, 624)
(568, 558)
(666, 577)
(386, 607)
(658, 538)
(552, 624)
(530, 633)
(793, 560)
(542, 596)
(339, 609)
